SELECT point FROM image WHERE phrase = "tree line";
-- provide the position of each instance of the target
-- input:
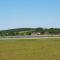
(29, 31)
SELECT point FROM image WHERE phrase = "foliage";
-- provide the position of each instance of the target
(29, 31)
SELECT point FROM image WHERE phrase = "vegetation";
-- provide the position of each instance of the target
(33, 49)
(29, 31)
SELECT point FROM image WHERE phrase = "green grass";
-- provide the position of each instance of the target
(30, 49)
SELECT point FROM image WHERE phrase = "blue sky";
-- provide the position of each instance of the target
(29, 13)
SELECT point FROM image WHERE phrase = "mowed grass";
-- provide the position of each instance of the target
(30, 49)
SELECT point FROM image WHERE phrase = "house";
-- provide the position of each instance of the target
(36, 33)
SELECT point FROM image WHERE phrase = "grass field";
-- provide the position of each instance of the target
(30, 49)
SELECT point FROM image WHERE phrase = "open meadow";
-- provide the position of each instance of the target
(30, 49)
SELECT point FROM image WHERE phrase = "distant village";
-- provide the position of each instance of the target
(30, 31)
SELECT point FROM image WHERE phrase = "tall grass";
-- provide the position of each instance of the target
(32, 49)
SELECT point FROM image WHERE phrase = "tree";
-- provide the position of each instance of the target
(28, 33)
(41, 30)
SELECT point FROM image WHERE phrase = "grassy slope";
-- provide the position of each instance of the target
(35, 49)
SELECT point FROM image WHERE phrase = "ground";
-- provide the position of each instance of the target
(30, 49)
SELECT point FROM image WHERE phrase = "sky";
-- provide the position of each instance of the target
(29, 14)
